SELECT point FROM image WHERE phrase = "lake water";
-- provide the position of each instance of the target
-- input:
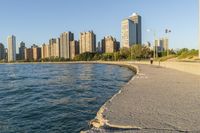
(55, 98)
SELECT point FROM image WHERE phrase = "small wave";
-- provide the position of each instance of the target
(62, 101)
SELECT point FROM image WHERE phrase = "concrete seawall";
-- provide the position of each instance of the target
(99, 120)
(157, 99)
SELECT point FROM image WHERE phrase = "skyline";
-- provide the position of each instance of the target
(38, 22)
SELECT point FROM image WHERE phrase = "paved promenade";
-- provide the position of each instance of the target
(157, 99)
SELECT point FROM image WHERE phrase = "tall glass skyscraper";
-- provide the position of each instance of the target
(2, 51)
(131, 30)
(21, 50)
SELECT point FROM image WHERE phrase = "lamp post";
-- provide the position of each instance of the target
(167, 32)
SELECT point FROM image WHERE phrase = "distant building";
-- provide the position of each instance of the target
(6, 54)
(65, 39)
(160, 47)
(87, 42)
(110, 45)
(51, 46)
(74, 49)
(28, 54)
(36, 53)
(148, 44)
(11, 48)
(54, 47)
(2, 52)
(165, 44)
(162, 44)
(99, 48)
(21, 51)
(45, 51)
(131, 31)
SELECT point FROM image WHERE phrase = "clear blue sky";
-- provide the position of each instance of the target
(36, 21)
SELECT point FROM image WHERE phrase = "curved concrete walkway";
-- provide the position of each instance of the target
(156, 100)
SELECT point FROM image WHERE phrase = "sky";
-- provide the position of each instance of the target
(36, 21)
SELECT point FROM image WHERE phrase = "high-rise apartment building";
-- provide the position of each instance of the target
(110, 45)
(36, 53)
(54, 47)
(165, 42)
(21, 51)
(28, 54)
(131, 30)
(162, 44)
(11, 48)
(2, 51)
(65, 39)
(51, 46)
(74, 49)
(87, 42)
(45, 51)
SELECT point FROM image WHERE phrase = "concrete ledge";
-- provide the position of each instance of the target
(156, 99)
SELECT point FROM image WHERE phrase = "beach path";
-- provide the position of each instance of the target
(157, 99)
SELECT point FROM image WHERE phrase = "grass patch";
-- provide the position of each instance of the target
(165, 58)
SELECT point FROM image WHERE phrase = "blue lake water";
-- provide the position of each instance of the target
(55, 98)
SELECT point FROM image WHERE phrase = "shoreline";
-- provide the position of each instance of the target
(135, 69)
(99, 121)
(129, 108)
(114, 113)
(189, 67)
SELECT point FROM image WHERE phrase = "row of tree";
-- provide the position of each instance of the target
(136, 52)
(186, 53)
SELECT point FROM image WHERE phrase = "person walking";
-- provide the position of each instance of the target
(151, 61)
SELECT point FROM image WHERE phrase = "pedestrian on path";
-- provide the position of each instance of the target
(151, 61)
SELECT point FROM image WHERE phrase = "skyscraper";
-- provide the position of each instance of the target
(131, 30)
(109, 45)
(28, 54)
(161, 45)
(87, 42)
(74, 49)
(54, 47)
(165, 44)
(36, 53)
(2, 51)
(65, 39)
(51, 46)
(11, 48)
(21, 51)
(45, 51)
(99, 47)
